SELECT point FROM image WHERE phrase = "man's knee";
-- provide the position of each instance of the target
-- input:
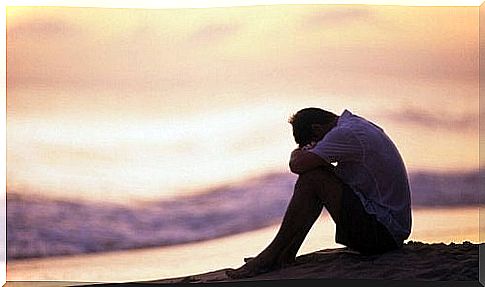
(317, 176)
(326, 186)
(322, 181)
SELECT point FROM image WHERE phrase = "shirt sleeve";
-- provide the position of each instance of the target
(338, 145)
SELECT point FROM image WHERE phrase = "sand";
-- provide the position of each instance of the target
(415, 261)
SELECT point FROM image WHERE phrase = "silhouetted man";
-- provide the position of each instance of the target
(349, 166)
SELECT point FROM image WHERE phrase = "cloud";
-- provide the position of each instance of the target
(428, 120)
(41, 28)
(164, 50)
(338, 16)
(214, 33)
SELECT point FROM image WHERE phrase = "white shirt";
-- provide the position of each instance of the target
(371, 165)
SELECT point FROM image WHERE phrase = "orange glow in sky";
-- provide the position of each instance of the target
(157, 102)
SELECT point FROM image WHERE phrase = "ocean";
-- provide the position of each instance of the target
(430, 225)
(47, 226)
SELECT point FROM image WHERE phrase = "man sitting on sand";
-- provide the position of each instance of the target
(351, 167)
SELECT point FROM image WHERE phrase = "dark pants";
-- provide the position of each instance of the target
(359, 230)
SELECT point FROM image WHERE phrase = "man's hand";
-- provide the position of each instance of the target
(301, 160)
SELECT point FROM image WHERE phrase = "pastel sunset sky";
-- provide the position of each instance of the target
(136, 101)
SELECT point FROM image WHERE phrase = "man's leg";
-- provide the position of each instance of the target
(313, 190)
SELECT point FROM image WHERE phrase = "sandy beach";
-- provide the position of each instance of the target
(185, 261)
(415, 261)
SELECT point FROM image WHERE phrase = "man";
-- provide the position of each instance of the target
(349, 166)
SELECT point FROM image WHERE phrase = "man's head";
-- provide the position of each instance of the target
(311, 125)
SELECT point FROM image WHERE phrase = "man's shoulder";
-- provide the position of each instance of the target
(341, 130)
(358, 125)
(342, 134)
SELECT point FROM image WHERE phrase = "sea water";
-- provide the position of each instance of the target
(452, 224)
(42, 226)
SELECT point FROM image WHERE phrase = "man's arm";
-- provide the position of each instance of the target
(302, 161)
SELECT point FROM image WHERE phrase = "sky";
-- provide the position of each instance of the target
(135, 101)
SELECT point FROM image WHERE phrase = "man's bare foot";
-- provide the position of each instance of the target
(252, 268)
(246, 272)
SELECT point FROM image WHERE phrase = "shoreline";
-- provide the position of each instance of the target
(414, 261)
(324, 216)
(456, 225)
(455, 264)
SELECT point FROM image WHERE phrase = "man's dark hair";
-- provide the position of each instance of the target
(302, 123)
